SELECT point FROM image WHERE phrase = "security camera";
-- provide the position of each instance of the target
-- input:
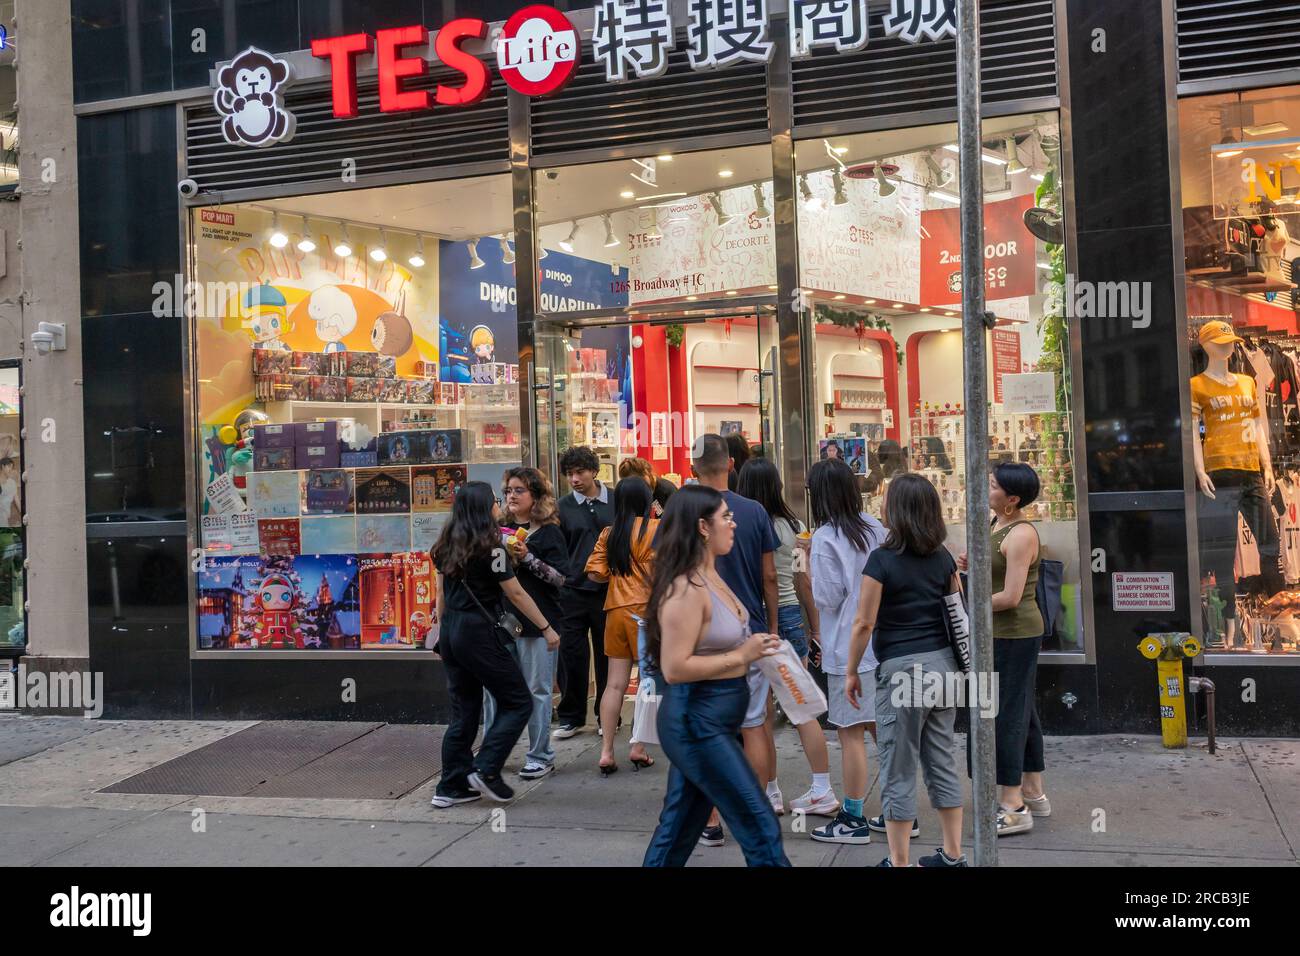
(50, 337)
(187, 188)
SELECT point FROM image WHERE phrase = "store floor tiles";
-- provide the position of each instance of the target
(301, 759)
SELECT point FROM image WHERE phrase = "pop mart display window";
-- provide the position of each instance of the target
(341, 399)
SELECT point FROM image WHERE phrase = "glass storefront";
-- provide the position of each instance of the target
(12, 531)
(1240, 179)
(357, 361)
(880, 274)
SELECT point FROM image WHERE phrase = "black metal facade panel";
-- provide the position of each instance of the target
(377, 142)
(593, 113)
(891, 77)
(1224, 39)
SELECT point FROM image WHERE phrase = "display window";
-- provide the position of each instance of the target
(638, 261)
(1240, 178)
(357, 362)
(13, 626)
(880, 278)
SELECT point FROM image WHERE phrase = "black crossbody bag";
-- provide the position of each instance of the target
(505, 626)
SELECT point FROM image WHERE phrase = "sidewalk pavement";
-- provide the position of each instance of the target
(1116, 801)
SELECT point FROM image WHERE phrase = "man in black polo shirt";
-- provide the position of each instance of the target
(583, 514)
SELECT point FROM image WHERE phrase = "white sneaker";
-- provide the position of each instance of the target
(1014, 821)
(1039, 806)
(826, 805)
(778, 804)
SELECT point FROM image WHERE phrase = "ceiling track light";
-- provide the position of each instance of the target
(306, 243)
(567, 244)
(507, 254)
(760, 202)
(278, 238)
(837, 179)
(884, 185)
(653, 232)
(1014, 165)
(715, 200)
(380, 252)
(417, 257)
(474, 261)
(343, 248)
(611, 240)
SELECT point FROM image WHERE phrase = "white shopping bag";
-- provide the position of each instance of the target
(800, 698)
(645, 711)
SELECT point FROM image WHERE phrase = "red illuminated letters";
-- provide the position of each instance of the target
(342, 53)
(393, 68)
(447, 45)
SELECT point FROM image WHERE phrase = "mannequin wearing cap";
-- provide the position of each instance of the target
(1233, 469)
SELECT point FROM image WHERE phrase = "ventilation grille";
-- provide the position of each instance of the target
(592, 113)
(1220, 39)
(891, 77)
(377, 142)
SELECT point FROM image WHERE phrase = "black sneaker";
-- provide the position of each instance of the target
(443, 800)
(845, 828)
(494, 788)
(886, 862)
(533, 771)
(713, 836)
(939, 858)
(878, 824)
(564, 731)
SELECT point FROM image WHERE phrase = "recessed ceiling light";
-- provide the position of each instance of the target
(925, 308)
(692, 298)
(731, 292)
(665, 157)
(944, 331)
(1265, 128)
(991, 160)
(772, 287)
(840, 296)
(841, 150)
(950, 314)
(869, 301)
(1037, 177)
(627, 194)
(898, 305)
(725, 173)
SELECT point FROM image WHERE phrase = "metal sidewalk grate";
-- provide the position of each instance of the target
(304, 759)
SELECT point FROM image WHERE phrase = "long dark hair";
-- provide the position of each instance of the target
(760, 480)
(679, 550)
(915, 516)
(632, 499)
(836, 502)
(471, 534)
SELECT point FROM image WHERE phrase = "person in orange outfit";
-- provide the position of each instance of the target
(623, 557)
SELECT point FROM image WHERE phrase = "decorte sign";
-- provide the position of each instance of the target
(538, 50)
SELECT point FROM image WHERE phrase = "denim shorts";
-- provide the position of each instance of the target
(789, 621)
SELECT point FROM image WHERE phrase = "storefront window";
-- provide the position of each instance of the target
(880, 272)
(1240, 157)
(671, 240)
(8, 100)
(357, 361)
(12, 592)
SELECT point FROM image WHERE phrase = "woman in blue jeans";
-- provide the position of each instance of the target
(698, 639)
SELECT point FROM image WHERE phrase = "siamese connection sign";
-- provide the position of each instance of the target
(538, 50)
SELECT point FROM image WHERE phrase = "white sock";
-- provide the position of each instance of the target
(773, 788)
(821, 783)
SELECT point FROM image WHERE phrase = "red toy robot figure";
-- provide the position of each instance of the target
(276, 628)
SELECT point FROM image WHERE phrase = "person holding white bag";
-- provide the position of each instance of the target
(844, 539)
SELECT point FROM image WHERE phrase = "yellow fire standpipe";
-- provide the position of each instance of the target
(1168, 651)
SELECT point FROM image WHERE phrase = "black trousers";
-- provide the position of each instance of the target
(475, 660)
(1237, 492)
(1017, 731)
(581, 637)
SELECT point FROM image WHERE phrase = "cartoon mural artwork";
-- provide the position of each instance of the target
(335, 315)
(392, 333)
(250, 97)
(265, 314)
(483, 343)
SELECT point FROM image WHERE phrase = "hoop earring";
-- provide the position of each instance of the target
(1008, 511)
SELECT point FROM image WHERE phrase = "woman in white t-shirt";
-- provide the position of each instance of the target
(844, 539)
(761, 481)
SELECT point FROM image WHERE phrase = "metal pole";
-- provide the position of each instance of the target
(975, 325)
